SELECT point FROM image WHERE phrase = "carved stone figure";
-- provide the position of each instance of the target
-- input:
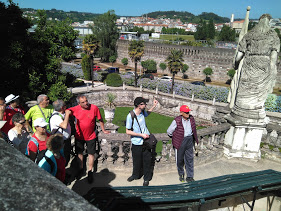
(257, 57)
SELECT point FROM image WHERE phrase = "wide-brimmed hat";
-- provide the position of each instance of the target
(40, 122)
(185, 108)
(10, 98)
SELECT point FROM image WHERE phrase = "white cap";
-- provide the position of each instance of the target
(10, 98)
(40, 122)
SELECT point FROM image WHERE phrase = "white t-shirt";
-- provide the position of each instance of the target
(55, 121)
(20, 141)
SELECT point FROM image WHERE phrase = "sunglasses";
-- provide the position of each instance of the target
(143, 104)
(186, 112)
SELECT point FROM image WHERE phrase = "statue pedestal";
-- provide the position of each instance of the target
(243, 139)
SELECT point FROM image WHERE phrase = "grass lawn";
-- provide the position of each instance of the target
(156, 123)
(174, 37)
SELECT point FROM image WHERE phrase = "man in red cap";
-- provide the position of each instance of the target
(184, 134)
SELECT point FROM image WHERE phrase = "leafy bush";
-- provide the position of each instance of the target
(231, 73)
(149, 65)
(124, 61)
(273, 103)
(163, 66)
(184, 68)
(114, 79)
(59, 91)
(185, 76)
(86, 67)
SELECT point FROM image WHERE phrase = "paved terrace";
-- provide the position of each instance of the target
(206, 166)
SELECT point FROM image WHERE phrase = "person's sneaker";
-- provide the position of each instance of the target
(130, 179)
(181, 178)
(189, 179)
(90, 177)
(145, 183)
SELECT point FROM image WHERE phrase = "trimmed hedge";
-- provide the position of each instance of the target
(114, 79)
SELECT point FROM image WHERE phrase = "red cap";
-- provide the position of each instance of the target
(184, 108)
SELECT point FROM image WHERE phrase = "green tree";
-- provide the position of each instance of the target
(149, 65)
(105, 30)
(50, 44)
(124, 61)
(86, 67)
(34, 58)
(136, 51)
(201, 31)
(90, 47)
(185, 67)
(207, 71)
(112, 59)
(227, 34)
(231, 73)
(14, 50)
(211, 29)
(163, 66)
(175, 64)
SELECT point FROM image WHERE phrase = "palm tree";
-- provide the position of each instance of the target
(136, 51)
(90, 47)
(175, 64)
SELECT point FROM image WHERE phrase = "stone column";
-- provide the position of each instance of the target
(243, 140)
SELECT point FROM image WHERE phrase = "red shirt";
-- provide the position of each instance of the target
(31, 146)
(60, 168)
(86, 121)
(8, 114)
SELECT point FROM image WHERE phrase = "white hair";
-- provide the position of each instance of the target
(40, 98)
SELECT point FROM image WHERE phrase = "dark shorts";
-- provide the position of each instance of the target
(80, 146)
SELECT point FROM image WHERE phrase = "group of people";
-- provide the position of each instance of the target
(44, 135)
(44, 132)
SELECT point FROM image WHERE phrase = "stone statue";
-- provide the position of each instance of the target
(256, 56)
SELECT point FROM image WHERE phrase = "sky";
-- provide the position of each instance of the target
(222, 8)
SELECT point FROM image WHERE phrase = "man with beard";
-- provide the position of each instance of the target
(136, 127)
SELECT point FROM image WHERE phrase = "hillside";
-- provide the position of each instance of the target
(187, 16)
(75, 16)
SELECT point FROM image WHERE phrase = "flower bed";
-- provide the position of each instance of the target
(273, 102)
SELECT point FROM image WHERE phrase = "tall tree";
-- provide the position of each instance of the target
(13, 51)
(90, 47)
(136, 51)
(201, 31)
(32, 58)
(227, 34)
(106, 31)
(211, 29)
(175, 64)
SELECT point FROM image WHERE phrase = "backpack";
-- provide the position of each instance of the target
(150, 143)
(48, 120)
(49, 125)
(40, 154)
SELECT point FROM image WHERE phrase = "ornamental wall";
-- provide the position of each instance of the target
(197, 58)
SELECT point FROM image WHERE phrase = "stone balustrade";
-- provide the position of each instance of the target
(115, 147)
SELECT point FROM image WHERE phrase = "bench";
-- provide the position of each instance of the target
(193, 194)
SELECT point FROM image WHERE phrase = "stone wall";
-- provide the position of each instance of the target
(25, 186)
(168, 105)
(197, 58)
